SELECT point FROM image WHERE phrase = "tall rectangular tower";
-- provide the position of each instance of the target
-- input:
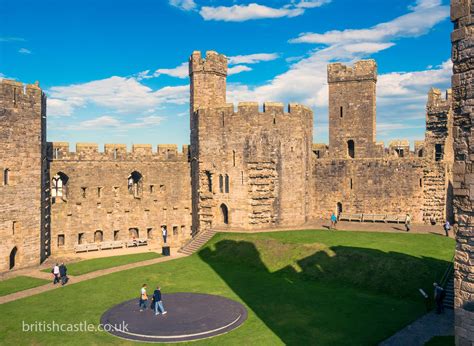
(23, 168)
(352, 109)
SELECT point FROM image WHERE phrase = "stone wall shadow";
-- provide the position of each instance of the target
(304, 304)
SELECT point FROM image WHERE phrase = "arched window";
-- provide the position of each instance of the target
(98, 236)
(13, 257)
(227, 183)
(59, 186)
(339, 208)
(224, 214)
(135, 184)
(351, 148)
(420, 153)
(6, 176)
(221, 183)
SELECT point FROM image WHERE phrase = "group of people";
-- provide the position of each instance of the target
(60, 274)
(156, 301)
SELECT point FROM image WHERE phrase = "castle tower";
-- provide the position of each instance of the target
(207, 79)
(438, 144)
(462, 14)
(352, 109)
(23, 170)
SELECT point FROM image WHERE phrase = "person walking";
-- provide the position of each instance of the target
(439, 294)
(158, 302)
(56, 274)
(164, 232)
(143, 298)
(333, 221)
(63, 274)
(407, 222)
(447, 227)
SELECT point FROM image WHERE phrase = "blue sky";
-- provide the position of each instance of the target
(114, 70)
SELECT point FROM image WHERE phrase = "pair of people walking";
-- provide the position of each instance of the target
(156, 303)
(60, 274)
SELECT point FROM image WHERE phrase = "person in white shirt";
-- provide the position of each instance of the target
(55, 272)
(143, 298)
(164, 231)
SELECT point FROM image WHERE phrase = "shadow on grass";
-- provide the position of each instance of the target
(348, 295)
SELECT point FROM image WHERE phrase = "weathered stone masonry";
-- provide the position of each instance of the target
(248, 167)
(462, 14)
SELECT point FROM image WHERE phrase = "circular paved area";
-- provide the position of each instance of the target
(190, 316)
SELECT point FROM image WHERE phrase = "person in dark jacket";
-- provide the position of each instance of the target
(158, 302)
(63, 273)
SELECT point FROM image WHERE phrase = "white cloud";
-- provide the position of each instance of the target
(180, 71)
(110, 122)
(312, 3)
(238, 69)
(425, 14)
(241, 13)
(24, 51)
(11, 39)
(186, 5)
(252, 58)
(119, 94)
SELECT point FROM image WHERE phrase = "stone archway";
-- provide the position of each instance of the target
(13, 254)
(224, 214)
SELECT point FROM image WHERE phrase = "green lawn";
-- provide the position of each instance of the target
(87, 266)
(19, 283)
(305, 287)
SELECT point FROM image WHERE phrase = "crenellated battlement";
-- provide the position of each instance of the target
(257, 109)
(119, 152)
(437, 103)
(13, 93)
(360, 71)
(212, 63)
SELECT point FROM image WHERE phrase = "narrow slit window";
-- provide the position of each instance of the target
(351, 183)
(351, 148)
(115, 153)
(6, 176)
(221, 183)
(341, 112)
(84, 192)
(233, 158)
(209, 181)
(99, 192)
(227, 183)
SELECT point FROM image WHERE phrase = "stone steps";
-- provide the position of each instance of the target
(197, 242)
(449, 299)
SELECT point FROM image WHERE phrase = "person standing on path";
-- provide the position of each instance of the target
(333, 221)
(164, 232)
(439, 294)
(407, 222)
(158, 302)
(63, 273)
(56, 274)
(447, 227)
(143, 298)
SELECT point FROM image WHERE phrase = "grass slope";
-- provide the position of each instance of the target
(87, 266)
(298, 288)
(19, 283)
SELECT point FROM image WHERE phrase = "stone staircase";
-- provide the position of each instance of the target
(449, 288)
(196, 243)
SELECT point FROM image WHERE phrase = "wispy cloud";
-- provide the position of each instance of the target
(238, 69)
(252, 58)
(11, 39)
(180, 71)
(110, 122)
(241, 13)
(24, 51)
(186, 5)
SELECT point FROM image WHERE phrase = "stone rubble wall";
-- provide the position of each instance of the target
(462, 37)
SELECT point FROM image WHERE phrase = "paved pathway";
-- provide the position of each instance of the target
(423, 329)
(80, 278)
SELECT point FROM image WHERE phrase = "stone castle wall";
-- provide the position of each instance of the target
(22, 208)
(462, 14)
(98, 195)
